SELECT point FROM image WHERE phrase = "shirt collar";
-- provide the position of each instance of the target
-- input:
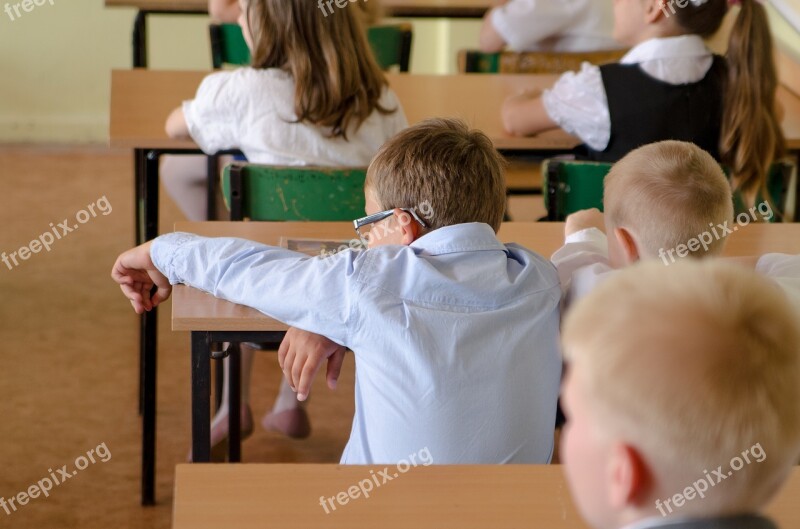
(667, 48)
(470, 237)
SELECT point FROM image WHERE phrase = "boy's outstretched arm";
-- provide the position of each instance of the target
(137, 275)
(302, 353)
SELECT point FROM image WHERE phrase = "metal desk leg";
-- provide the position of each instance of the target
(140, 40)
(138, 202)
(149, 331)
(235, 403)
(201, 394)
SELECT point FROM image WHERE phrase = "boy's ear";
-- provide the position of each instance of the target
(630, 249)
(628, 477)
(410, 230)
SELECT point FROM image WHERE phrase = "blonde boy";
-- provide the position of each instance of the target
(683, 401)
(441, 316)
(665, 201)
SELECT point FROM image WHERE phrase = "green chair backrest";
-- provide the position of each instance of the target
(275, 193)
(390, 43)
(571, 186)
(228, 45)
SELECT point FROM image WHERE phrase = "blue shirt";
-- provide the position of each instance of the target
(455, 336)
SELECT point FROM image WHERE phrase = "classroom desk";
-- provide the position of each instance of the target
(211, 320)
(426, 497)
(392, 8)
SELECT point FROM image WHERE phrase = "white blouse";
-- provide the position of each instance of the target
(253, 110)
(578, 102)
(556, 25)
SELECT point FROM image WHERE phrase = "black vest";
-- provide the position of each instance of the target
(645, 110)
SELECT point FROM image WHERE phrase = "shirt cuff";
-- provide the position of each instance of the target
(591, 235)
(166, 249)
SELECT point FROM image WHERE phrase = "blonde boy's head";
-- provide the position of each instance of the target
(441, 162)
(697, 365)
(666, 194)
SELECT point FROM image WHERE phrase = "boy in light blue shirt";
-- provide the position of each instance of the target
(455, 334)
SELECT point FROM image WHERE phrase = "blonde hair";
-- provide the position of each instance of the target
(338, 82)
(697, 363)
(441, 161)
(668, 193)
(752, 137)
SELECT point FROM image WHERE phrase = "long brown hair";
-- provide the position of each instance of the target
(338, 83)
(752, 137)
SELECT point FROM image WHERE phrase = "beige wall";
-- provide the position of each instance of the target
(56, 62)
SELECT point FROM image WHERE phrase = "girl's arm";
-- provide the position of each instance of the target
(490, 40)
(176, 126)
(525, 115)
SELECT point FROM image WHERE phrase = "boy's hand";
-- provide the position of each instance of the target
(583, 220)
(301, 354)
(136, 275)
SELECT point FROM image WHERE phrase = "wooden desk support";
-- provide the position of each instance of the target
(464, 497)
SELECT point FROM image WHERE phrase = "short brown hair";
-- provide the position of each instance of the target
(441, 161)
(693, 364)
(668, 193)
(338, 82)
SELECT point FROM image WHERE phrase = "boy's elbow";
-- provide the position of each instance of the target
(509, 116)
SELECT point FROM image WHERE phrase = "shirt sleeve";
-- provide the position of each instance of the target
(524, 24)
(785, 270)
(579, 105)
(581, 263)
(212, 115)
(313, 294)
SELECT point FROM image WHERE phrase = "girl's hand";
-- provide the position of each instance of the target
(137, 275)
(300, 356)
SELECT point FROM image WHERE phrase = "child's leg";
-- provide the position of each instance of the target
(185, 179)
(288, 414)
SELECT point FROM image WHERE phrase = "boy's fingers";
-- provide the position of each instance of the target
(335, 362)
(307, 377)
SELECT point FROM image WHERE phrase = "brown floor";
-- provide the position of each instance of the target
(69, 368)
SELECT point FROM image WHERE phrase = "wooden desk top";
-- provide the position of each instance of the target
(396, 8)
(193, 310)
(141, 100)
(466, 497)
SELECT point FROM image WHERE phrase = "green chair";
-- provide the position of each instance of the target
(274, 193)
(390, 43)
(532, 62)
(571, 186)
